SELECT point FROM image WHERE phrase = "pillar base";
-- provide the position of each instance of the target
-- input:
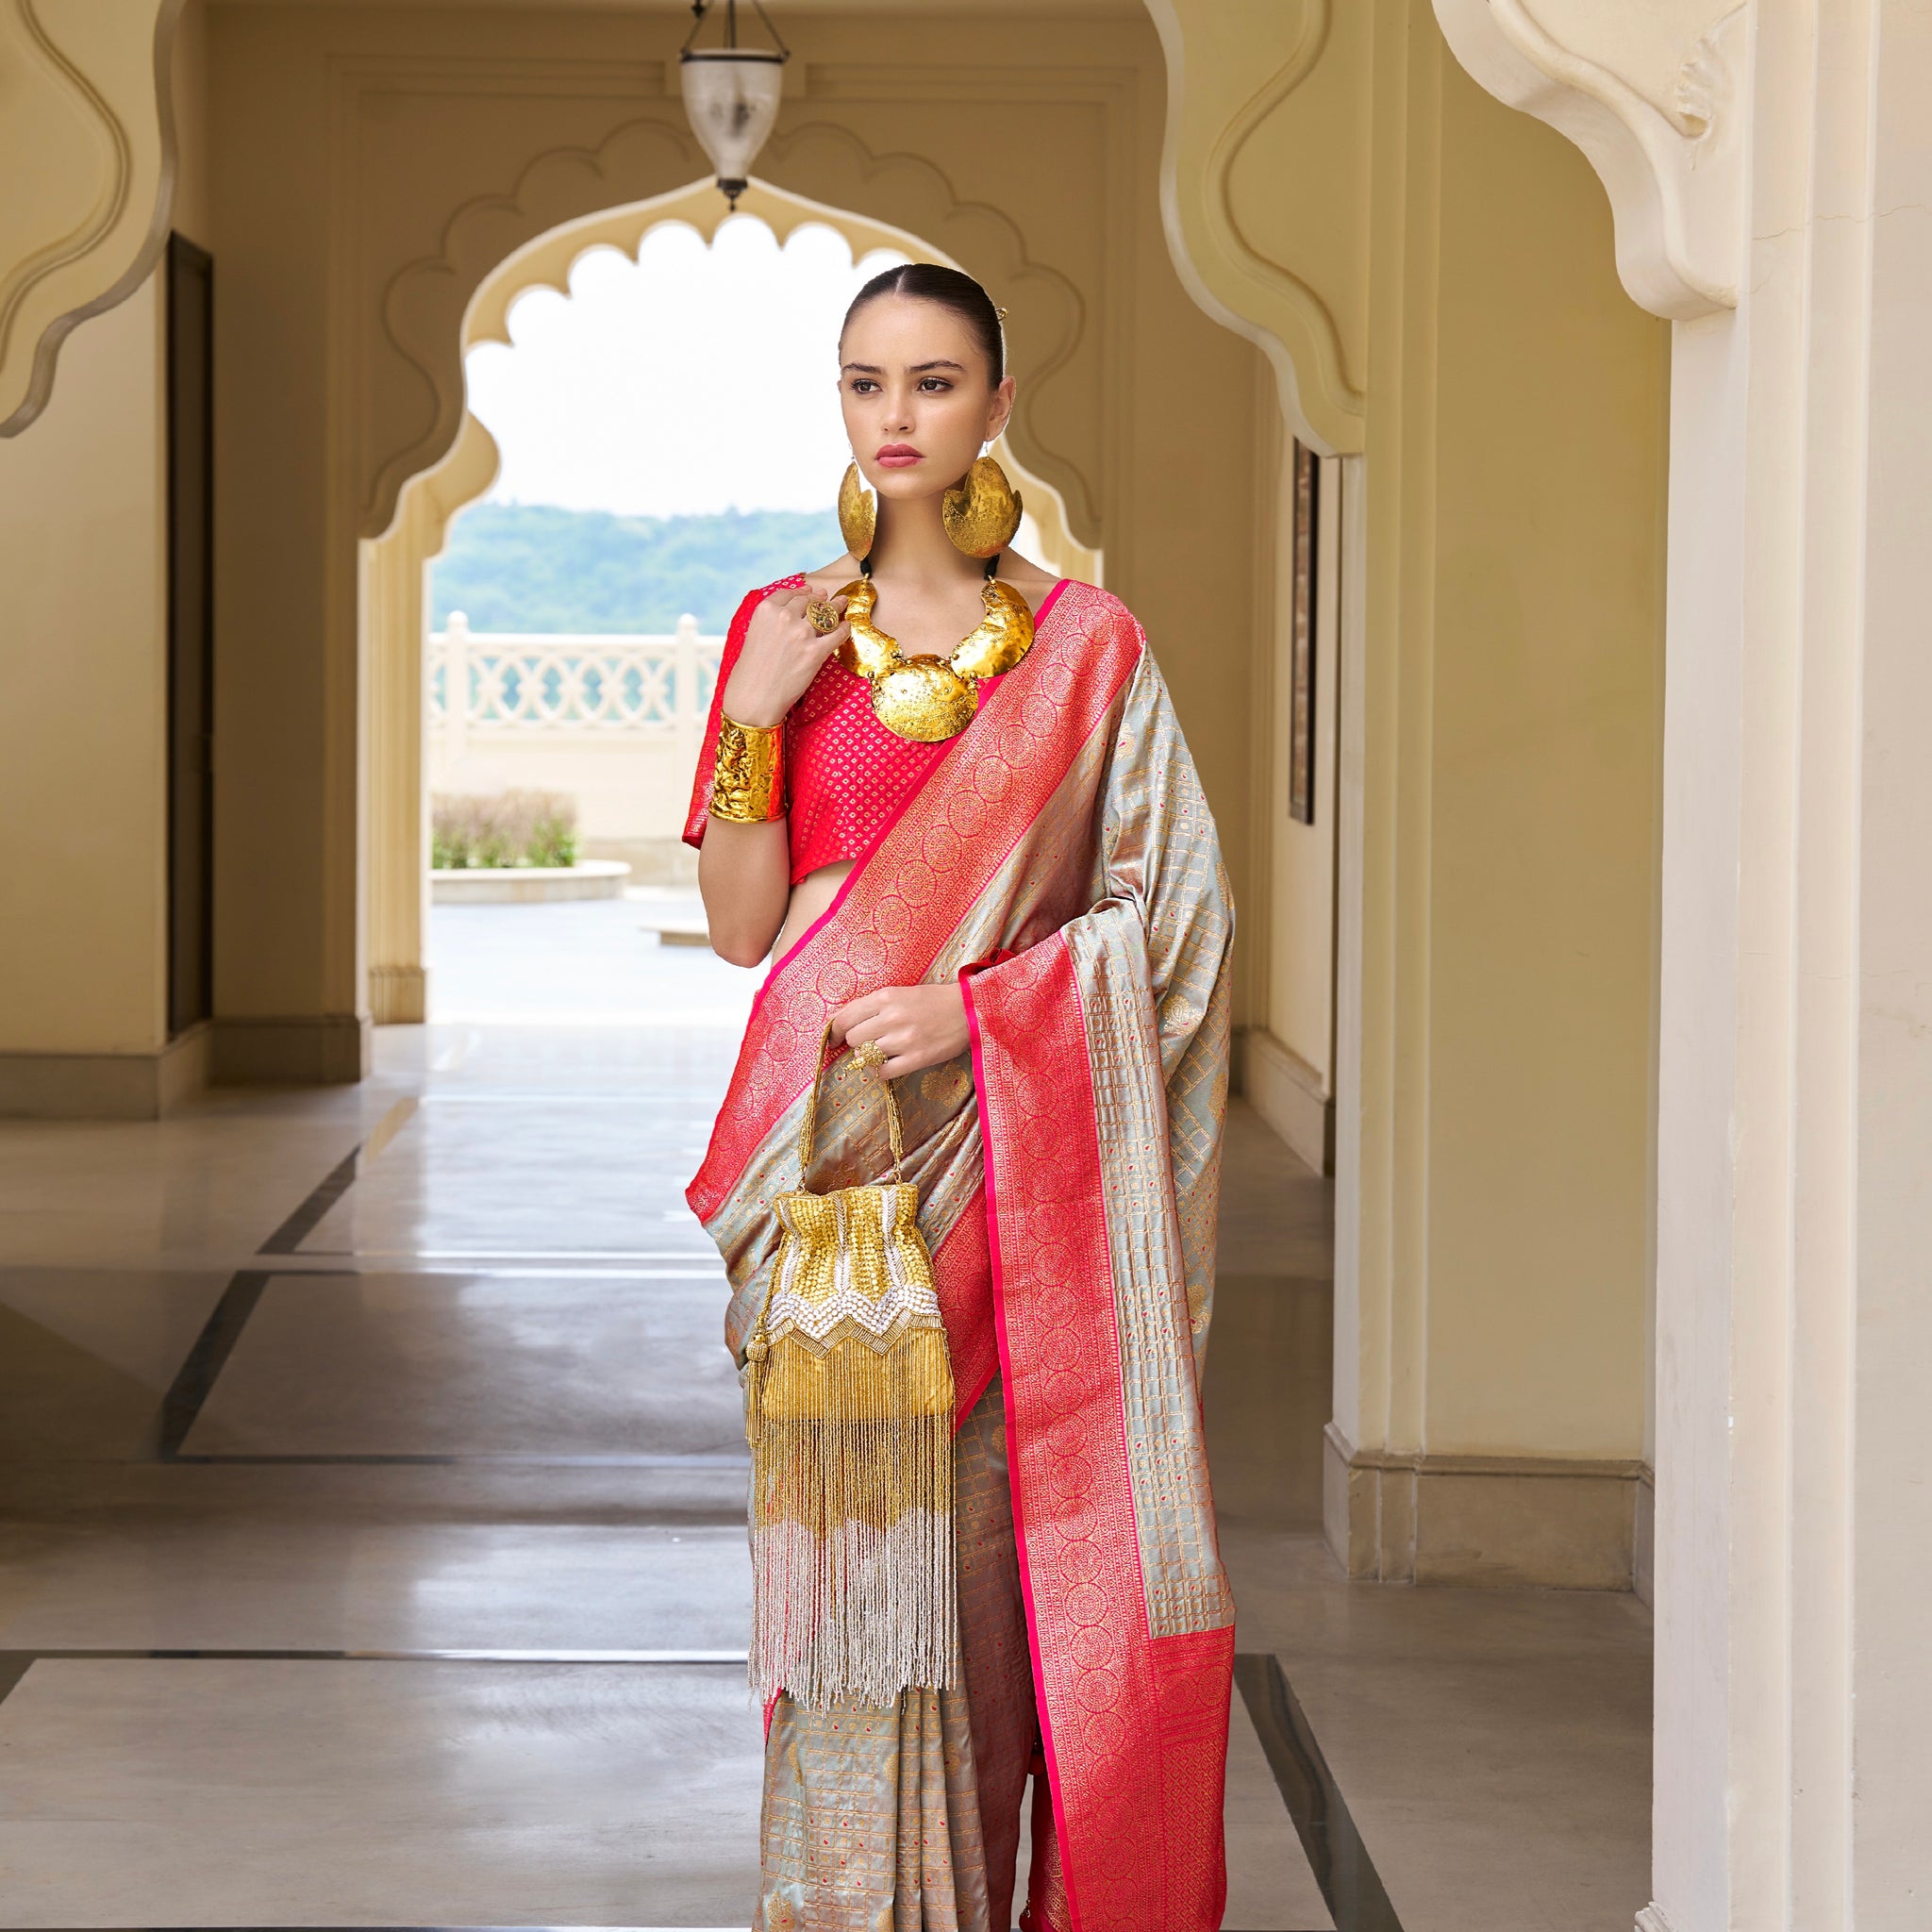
(1482, 1521)
(1287, 1093)
(1644, 1569)
(328, 1050)
(104, 1086)
(398, 996)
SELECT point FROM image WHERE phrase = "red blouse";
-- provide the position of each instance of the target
(848, 776)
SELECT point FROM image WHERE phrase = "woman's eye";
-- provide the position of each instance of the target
(934, 382)
(863, 385)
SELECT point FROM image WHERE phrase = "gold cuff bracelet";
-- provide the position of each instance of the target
(748, 779)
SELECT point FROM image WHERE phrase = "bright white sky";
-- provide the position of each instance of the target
(693, 378)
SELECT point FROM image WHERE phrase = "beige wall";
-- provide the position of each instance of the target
(83, 662)
(190, 211)
(1496, 1204)
(373, 165)
(1550, 457)
(87, 150)
(82, 781)
(1438, 271)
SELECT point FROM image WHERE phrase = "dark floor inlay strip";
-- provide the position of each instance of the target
(288, 1237)
(195, 1379)
(309, 1216)
(192, 1385)
(1341, 1864)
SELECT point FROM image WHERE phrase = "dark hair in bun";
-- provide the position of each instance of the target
(951, 289)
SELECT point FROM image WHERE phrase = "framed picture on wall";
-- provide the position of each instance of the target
(1301, 684)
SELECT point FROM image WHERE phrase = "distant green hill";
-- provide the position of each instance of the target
(532, 567)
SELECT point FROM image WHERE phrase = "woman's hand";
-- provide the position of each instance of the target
(780, 656)
(917, 1025)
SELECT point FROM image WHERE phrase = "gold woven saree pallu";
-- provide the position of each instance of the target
(849, 1413)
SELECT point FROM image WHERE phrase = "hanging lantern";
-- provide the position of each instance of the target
(731, 95)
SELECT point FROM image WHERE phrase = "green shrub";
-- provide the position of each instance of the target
(502, 828)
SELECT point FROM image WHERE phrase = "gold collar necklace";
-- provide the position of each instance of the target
(925, 698)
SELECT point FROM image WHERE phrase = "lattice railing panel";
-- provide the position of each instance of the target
(518, 684)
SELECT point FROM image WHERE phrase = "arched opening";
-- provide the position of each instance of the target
(394, 607)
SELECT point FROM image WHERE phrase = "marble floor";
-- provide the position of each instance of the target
(370, 1532)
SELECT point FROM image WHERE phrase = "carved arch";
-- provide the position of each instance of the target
(89, 154)
(1648, 94)
(426, 304)
(830, 165)
(1215, 112)
(549, 262)
(425, 301)
(1331, 358)
(392, 565)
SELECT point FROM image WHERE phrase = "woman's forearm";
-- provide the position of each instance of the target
(745, 876)
(744, 864)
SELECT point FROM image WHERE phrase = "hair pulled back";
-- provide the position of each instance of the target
(950, 288)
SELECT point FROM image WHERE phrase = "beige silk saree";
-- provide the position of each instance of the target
(1059, 859)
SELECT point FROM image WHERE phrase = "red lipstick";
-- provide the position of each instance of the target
(897, 456)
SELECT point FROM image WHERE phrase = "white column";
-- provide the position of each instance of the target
(1890, 1688)
(1794, 1529)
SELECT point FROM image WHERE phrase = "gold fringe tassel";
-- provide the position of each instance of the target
(851, 1517)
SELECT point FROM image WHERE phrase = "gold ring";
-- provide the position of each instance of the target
(822, 616)
(868, 1055)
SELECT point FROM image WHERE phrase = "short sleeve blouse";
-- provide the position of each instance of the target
(848, 776)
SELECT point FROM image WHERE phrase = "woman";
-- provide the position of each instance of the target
(1026, 923)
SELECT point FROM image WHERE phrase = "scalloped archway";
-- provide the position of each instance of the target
(395, 564)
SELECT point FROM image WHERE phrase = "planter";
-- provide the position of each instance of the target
(528, 885)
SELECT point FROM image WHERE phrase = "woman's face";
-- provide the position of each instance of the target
(917, 393)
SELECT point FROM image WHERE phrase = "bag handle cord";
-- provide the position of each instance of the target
(808, 1127)
(756, 1347)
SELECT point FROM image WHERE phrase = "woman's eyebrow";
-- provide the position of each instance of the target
(919, 368)
(863, 368)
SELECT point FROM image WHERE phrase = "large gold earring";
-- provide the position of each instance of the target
(858, 513)
(982, 510)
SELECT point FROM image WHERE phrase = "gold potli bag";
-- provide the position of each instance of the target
(849, 1413)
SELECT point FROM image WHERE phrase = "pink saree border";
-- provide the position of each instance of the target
(1133, 1726)
(845, 884)
(1077, 670)
(1054, 1783)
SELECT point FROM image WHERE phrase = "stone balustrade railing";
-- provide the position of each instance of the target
(516, 684)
